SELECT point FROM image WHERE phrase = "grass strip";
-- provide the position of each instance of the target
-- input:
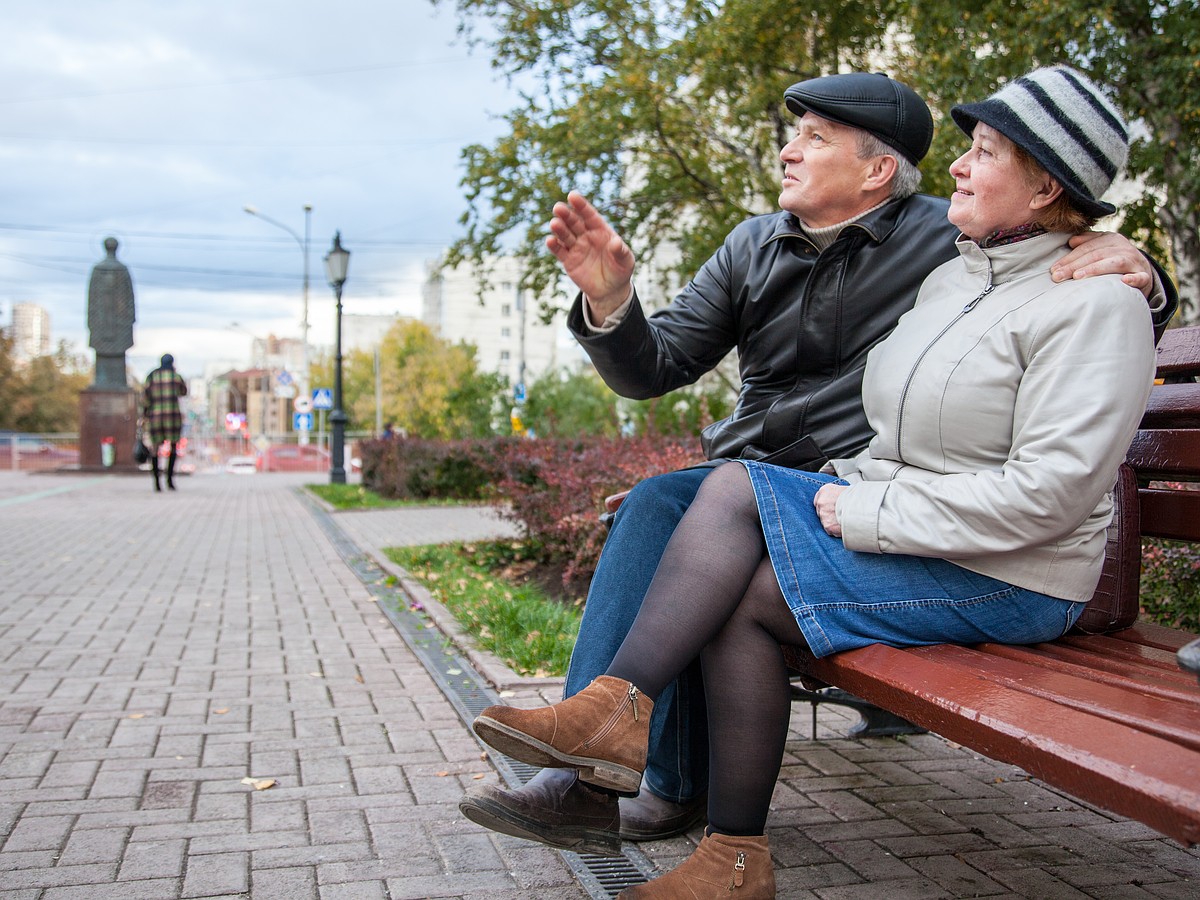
(532, 632)
(355, 496)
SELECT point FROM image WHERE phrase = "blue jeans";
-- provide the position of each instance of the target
(677, 763)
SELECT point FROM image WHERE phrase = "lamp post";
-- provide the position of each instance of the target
(303, 243)
(337, 261)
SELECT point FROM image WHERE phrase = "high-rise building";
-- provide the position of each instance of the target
(504, 323)
(30, 331)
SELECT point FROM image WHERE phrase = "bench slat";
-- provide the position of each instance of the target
(1134, 653)
(1129, 772)
(1173, 406)
(1126, 702)
(1151, 635)
(1171, 684)
(1170, 514)
(1178, 352)
(1167, 454)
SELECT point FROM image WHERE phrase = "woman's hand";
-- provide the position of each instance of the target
(825, 501)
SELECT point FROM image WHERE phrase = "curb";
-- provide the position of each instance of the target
(488, 665)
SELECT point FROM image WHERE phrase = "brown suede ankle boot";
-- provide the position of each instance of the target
(721, 865)
(602, 731)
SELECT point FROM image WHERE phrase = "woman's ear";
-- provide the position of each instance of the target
(1046, 191)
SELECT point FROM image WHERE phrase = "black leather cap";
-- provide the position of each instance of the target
(887, 108)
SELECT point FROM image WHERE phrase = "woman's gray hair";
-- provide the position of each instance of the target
(907, 179)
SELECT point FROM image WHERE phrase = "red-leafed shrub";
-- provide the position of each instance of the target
(556, 489)
(553, 487)
(1170, 586)
(420, 469)
(1170, 589)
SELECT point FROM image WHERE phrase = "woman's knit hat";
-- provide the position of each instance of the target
(1060, 118)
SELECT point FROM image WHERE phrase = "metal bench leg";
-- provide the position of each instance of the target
(1189, 658)
(875, 722)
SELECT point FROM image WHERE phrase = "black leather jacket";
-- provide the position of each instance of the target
(802, 322)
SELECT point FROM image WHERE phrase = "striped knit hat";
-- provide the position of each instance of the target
(1061, 119)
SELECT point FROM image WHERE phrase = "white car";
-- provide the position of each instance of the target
(240, 465)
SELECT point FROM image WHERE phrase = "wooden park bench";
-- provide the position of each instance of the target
(1112, 718)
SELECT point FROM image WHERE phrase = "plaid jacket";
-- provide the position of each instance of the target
(163, 420)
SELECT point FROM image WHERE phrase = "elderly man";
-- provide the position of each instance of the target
(803, 294)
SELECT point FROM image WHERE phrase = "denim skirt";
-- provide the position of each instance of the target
(844, 599)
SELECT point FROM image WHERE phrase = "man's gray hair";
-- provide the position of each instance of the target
(907, 179)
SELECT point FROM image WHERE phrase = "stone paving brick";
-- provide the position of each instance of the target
(294, 884)
(918, 889)
(870, 861)
(228, 806)
(26, 859)
(57, 876)
(219, 873)
(150, 889)
(1034, 882)
(354, 890)
(40, 833)
(330, 851)
(955, 876)
(95, 845)
(150, 859)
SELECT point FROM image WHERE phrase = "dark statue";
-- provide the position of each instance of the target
(110, 317)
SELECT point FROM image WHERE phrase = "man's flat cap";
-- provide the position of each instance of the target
(886, 108)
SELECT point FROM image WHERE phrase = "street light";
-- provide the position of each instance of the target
(337, 261)
(304, 386)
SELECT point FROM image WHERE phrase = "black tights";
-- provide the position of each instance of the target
(715, 596)
(170, 466)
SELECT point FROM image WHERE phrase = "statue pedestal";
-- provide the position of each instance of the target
(107, 414)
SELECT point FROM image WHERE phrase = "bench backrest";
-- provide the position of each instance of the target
(1166, 451)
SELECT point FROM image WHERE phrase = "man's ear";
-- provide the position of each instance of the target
(880, 172)
(1046, 191)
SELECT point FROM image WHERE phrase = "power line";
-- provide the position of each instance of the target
(222, 238)
(266, 145)
(229, 82)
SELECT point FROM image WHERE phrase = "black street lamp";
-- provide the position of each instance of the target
(337, 261)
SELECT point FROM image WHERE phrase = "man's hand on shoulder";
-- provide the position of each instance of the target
(1105, 253)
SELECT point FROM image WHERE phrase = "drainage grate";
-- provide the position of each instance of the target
(602, 876)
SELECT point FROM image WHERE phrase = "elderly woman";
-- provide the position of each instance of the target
(1002, 406)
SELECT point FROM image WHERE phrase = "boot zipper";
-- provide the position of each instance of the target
(614, 719)
(739, 870)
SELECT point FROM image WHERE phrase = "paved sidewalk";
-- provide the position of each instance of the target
(158, 649)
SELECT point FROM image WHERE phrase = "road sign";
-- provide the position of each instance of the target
(302, 421)
(302, 404)
(322, 398)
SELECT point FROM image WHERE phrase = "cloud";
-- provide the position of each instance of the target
(156, 122)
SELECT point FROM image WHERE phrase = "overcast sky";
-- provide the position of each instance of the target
(156, 122)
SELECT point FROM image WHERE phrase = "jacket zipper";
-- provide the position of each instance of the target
(987, 289)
